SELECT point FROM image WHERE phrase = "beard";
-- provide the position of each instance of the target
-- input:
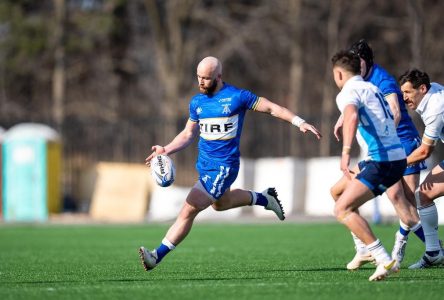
(209, 90)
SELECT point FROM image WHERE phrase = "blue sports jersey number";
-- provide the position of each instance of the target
(385, 105)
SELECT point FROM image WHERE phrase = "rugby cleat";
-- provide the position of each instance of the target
(383, 270)
(428, 261)
(273, 203)
(398, 251)
(359, 260)
(148, 259)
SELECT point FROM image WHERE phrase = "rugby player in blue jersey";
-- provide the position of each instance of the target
(401, 194)
(366, 114)
(217, 115)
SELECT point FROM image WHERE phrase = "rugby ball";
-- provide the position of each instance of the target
(163, 170)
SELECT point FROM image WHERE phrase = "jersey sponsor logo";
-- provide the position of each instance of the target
(199, 110)
(219, 128)
(224, 100)
(226, 108)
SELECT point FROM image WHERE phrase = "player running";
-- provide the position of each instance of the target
(401, 194)
(367, 115)
(428, 101)
(217, 115)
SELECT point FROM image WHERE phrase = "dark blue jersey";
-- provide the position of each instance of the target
(220, 117)
(387, 84)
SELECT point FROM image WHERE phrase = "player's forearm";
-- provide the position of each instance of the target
(421, 153)
(277, 111)
(181, 141)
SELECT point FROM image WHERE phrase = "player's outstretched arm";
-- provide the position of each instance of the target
(266, 106)
(181, 141)
(337, 130)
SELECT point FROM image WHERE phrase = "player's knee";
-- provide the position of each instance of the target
(341, 212)
(219, 206)
(397, 197)
(334, 192)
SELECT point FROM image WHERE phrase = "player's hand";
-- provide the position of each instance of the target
(308, 127)
(345, 162)
(156, 151)
(337, 130)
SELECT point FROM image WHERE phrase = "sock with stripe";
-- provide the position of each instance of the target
(165, 247)
(417, 229)
(378, 252)
(258, 199)
(404, 229)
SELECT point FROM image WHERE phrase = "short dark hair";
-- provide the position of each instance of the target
(416, 78)
(364, 51)
(348, 61)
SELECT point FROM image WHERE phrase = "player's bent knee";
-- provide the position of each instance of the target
(341, 213)
(219, 206)
(334, 193)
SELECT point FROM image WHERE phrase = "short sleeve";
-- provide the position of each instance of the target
(388, 86)
(193, 110)
(249, 99)
(346, 97)
(434, 125)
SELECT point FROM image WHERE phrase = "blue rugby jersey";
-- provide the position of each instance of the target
(221, 117)
(406, 130)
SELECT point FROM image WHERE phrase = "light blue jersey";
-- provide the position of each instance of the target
(221, 117)
(406, 130)
(376, 128)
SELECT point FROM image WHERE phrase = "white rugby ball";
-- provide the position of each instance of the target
(163, 170)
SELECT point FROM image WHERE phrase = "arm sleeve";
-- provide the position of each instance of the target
(434, 125)
(345, 98)
(193, 111)
(249, 99)
(388, 87)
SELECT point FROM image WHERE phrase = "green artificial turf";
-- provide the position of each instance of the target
(216, 261)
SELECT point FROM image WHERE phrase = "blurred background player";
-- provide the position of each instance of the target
(428, 101)
(401, 194)
(366, 114)
(217, 115)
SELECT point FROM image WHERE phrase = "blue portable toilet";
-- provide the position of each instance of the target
(31, 172)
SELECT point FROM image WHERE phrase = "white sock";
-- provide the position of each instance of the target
(378, 252)
(429, 221)
(403, 231)
(253, 197)
(360, 247)
(167, 243)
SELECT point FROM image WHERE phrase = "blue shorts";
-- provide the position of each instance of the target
(216, 178)
(409, 147)
(380, 175)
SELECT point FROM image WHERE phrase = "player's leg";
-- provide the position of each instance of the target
(196, 201)
(362, 255)
(353, 197)
(338, 188)
(408, 219)
(410, 183)
(431, 188)
(238, 198)
(368, 184)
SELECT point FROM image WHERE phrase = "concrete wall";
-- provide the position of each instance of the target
(303, 187)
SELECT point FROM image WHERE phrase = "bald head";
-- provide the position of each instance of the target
(209, 75)
(211, 65)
